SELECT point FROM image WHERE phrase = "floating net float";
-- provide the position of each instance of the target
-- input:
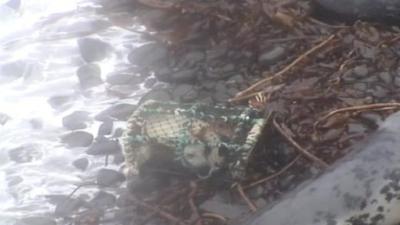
(200, 138)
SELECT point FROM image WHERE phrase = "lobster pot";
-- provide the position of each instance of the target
(200, 137)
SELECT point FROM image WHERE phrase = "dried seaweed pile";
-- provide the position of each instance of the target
(325, 86)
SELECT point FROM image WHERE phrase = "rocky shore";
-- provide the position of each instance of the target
(327, 86)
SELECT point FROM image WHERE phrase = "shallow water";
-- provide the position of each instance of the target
(41, 39)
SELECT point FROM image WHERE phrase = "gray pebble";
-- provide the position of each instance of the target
(272, 56)
(361, 70)
(104, 146)
(89, 75)
(103, 200)
(124, 79)
(156, 94)
(93, 49)
(77, 139)
(81, 163)
(120, 111)
(105, 128)
(76, 120)
(108, 177)
(185, 93)
(183, 76)
(148, 55)
(59, 101)
(386, 77)
(67, 207)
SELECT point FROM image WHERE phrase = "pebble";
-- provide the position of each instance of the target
(219, 206)
(397, 81)
(104, 146)
(386, 77)
(121, 91)
(81, 163)
(379, 91)
(194, 57)
(118, 158)
(103, 200)
(67, 207)
(255, 192)
(120, 111)
(76, 120)
(108, 177)
(77, 139)
(272, 56)
(157, 95)
(124, 79)
(148, 55)
(36, 220)
(89, 75)
(105, 128)
(183, 76)
(361, 70)
(184, 93)
(93, 49)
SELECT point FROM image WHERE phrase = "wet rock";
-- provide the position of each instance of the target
(24, 154)
(148, 55)
(89, 75)
(272, 56)
(118, 158)
(37, 220)
(386, 77)
(255, 192)
(360, 86)
(156, 94)
(59, 101)
(104, 146)
(93, 49)
(81, 163)
(379, 91)
(108, 177)
(118, 133)
(184, 93)
(121, 91)
(77, 139)
(103, 200)
(183, 76)
(148, 83)
(124, 79)
(221, 207)
(4, 118)
(76, 120)
(120, 111)
(67, 207)
(386, 11)
(360, 71)
(222, 94)
(105, 128)
(397, 81)
(193, 58)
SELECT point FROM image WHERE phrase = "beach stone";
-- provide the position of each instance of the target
(361, 70)
(108, 177)
(67, 207)
(272, 56)
(397, 81)
(89, 75)
(386, 11)
(118, 158)
(157, 94)
(93, 49)
(103, 200)
(59, 101)
(148, 55)
(104, 146)
(221, 207)
(105, 128)
(194, 57)
(182, 76)
(386, 77)
(76, 120)
(77, 139)
(37, 220)
(124, 79)
(120, 111)
(121, 91)
(81, 163)
(184, 93)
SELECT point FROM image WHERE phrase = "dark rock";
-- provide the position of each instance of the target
(148, 55)
(386, 77)
(121, 91)
(118, 133)
(221, 92)
(255, 192)
(215, 53)
(107, 177)
(360, 71)
(67, 207)
(386, 11)
(59, 101)
(120, 111)
(360, 86)
(221, 207)
(156, 94)
(193, 58)
(379, 91)
(92, 49)
(76, 120)
(397, 81)
(24, 154)
(150, 82)
(77, 139)
(103, 200)
(105, 128)
(81, 163)
(124, 79)
(185, 93)
(89, 75)
(118, 158)
(104, 146)
(272, 56)
(183, 76)
(37, 220)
